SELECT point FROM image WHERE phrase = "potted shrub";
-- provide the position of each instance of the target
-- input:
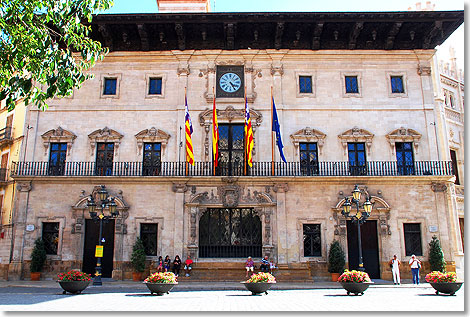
(259, 283)
(355, 282)
(161, 282)
(73, 281)
(138, 260)
(444, 282)
(436, 256)
(336, 260)
(38, 258)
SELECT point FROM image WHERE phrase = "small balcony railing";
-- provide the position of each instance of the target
(169, 169)
(5, 135)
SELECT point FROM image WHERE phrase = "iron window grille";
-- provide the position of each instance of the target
(149, 235)
(110, 85)
(405, 159)
(155, 86)
(305, 84)
(357, 159)
(312, 240)
(57, 157)
(351, 84)
(397, 84)
(50, 236)
(413, 244)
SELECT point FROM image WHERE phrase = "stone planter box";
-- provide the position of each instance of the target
(355, 288)
(446, 288)
(160, 288)
(258, 288)
(74, 287)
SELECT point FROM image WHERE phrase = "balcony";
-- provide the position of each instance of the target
(259, 169)
(5, 136)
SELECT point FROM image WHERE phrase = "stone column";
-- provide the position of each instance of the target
(281, 220)
(15, 269)
(178, 231)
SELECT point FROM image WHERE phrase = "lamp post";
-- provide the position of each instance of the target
(359, 218)
(104, 201)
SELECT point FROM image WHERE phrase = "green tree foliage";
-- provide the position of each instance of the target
(436, 256)
(45, 49)
(38, 256)
(138, 256)
(336, 258)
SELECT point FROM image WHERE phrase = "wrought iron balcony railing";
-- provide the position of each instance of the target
(5, 135)
(372, 168)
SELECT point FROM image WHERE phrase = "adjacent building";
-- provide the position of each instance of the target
(354, 94)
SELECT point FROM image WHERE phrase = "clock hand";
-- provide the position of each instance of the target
(231, 84)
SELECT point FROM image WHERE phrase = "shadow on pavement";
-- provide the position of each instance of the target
(337, 295)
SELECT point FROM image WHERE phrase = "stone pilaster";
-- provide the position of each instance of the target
(178, 233)
(281, 214)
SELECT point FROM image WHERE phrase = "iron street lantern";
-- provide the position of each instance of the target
(359, 218)
(104, 202)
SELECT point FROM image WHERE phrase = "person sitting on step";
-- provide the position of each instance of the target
(264, 267)
(187, 265)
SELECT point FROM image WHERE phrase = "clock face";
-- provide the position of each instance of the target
(230, 82)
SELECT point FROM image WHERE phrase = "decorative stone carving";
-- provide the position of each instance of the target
(281, 188)
(403, 135)
(438, 187)
(308, 135)
(356, 135)
(277, 70)
(424, 70)
(230, 195)
(24, 187)
(151, 135)
(56, 136)
(179, 188)
(77, 227)
(105, 135)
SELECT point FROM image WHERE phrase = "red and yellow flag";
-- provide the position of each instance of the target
(248, 135)
(188, 127)
(215, 135)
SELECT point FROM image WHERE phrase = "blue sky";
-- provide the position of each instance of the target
(456, 39)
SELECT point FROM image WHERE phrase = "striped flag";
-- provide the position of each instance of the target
(215, 135)
(189, 130)
(248, 135)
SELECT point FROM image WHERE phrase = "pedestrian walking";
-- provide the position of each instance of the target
(249, 265)
(415, 265)
(395, 265)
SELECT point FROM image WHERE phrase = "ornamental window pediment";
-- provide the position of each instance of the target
(105, 135)
(308, 135)
(356, 135)
(58, 135)
(403, 135)
(151, 135)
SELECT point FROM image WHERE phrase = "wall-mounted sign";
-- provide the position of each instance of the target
(30, 228)
(432, 228)
(99, 251)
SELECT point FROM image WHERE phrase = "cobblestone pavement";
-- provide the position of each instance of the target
(136, 297)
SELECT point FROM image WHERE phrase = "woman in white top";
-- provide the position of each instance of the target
(395, 263)
(415, 265)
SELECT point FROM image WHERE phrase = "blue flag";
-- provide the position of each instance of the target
(277, 128)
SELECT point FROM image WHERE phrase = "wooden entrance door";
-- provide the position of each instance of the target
(370, 247)
(91, 240)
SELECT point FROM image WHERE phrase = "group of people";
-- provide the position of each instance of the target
(265, 265)
(164, 265)
(414, 263)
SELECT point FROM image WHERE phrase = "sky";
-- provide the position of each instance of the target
(456, 40)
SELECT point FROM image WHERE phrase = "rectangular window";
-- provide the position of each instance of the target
(305, 84)
(397, 84)
(351, 84)
(462, 227)
(152, 159)
(357, 159)
(104, 159)
(50, 236)
(312, 240)
(455, 168)
(308, 158)
(3, 169)
(412, 233)
(110, 85)
(148, 235)
(405, 159)
(155, 86)
(57, 158)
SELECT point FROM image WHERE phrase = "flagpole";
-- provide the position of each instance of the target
(244, 139)
(272, 138)
(213, 129)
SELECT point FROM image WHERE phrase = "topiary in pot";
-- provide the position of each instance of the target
(436, 256)
(38, 258)
(138, 259)
(336, 260)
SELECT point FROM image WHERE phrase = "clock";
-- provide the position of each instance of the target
(230, 82)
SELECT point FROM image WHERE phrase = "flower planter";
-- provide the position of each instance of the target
(446, 288)
(160, 288)
(74, 287)
(335, 277)
(257, 288)
(137, 276)
(355, 288)
(35, 276)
